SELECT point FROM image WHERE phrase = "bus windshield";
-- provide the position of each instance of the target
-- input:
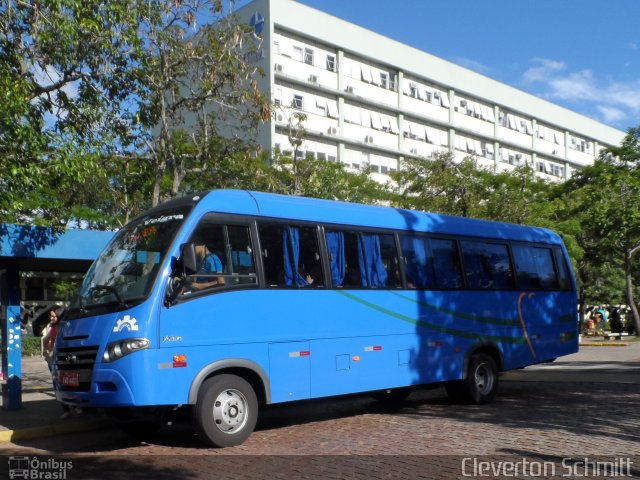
(126, 270)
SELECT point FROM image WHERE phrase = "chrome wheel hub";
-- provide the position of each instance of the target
(230, 411)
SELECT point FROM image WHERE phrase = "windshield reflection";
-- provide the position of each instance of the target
(126, 270)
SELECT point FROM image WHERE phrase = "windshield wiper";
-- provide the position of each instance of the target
(110, 289)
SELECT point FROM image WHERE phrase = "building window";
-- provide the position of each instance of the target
(331, 63)
(393, 81)
(297, 53)
(384, 80)
(308, 56)
(298, 102)
(413, 90)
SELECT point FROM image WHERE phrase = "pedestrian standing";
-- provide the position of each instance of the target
(49, 335)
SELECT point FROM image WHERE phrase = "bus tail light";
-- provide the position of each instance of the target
(121, 348)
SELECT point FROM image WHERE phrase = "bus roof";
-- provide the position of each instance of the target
(367, 216)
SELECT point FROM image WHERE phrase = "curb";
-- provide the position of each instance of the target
(617, 344)
(54, 429)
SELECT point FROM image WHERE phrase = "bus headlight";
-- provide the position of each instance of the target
(117, 350)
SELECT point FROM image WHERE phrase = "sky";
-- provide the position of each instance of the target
(581, 54)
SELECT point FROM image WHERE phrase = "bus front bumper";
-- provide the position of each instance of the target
(108, 389)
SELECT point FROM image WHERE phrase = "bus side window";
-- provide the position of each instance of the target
(446, 263)
(309, 263)
(361, 259)
(224, 258)
(291, 256)
(239, 256)
(390, 260)
(271, 244)
(534, 267)
(418, 261)
(487, 265)
(563, 273)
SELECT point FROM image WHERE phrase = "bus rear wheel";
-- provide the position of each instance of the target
(481, 383)
(226, 411)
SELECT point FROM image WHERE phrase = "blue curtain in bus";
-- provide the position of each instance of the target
(291, 257)
(372, 270)
(335, 244)
(418, 267)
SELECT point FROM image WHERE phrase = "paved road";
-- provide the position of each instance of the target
(538, 416)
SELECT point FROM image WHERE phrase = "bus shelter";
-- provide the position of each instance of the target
(34, 249)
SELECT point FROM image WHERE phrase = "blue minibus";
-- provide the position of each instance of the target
(218, 303)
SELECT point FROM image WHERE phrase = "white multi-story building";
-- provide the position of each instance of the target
(370, 100)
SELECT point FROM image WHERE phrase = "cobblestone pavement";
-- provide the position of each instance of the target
(539, 420)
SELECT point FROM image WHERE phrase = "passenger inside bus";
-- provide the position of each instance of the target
(208, 264)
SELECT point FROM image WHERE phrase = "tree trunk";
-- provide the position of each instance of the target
(629, 283)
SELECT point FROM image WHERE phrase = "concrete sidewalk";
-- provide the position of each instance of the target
(40, 412)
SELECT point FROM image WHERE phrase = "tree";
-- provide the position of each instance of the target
(311, 177)
(440, 184)
(609, 199)
(199, 88)
(110, 99)
(65, 79)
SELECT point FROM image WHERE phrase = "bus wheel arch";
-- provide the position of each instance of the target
(490, 349)
(251, 372)
(479, 382)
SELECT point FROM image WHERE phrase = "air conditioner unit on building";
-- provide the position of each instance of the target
(332, 131)
(279, 117)
(278, 67)
(368, 139)
(350, 89)
(313, 78)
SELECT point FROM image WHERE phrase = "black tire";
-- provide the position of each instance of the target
(226, 411)
(480, 384)
(391, 396)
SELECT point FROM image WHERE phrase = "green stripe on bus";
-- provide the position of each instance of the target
(465, 316)
(433, 326)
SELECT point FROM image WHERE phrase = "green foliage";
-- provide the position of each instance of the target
(605, 199)
(440, 184)
(97, 97)
(65, 288)
(65, 79)
(31, 346)
(311, 177)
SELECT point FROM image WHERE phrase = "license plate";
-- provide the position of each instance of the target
(69, 379)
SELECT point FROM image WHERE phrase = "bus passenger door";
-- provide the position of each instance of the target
(289, 365)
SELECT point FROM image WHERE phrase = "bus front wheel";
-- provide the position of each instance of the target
(226, 411)
(480, 384)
